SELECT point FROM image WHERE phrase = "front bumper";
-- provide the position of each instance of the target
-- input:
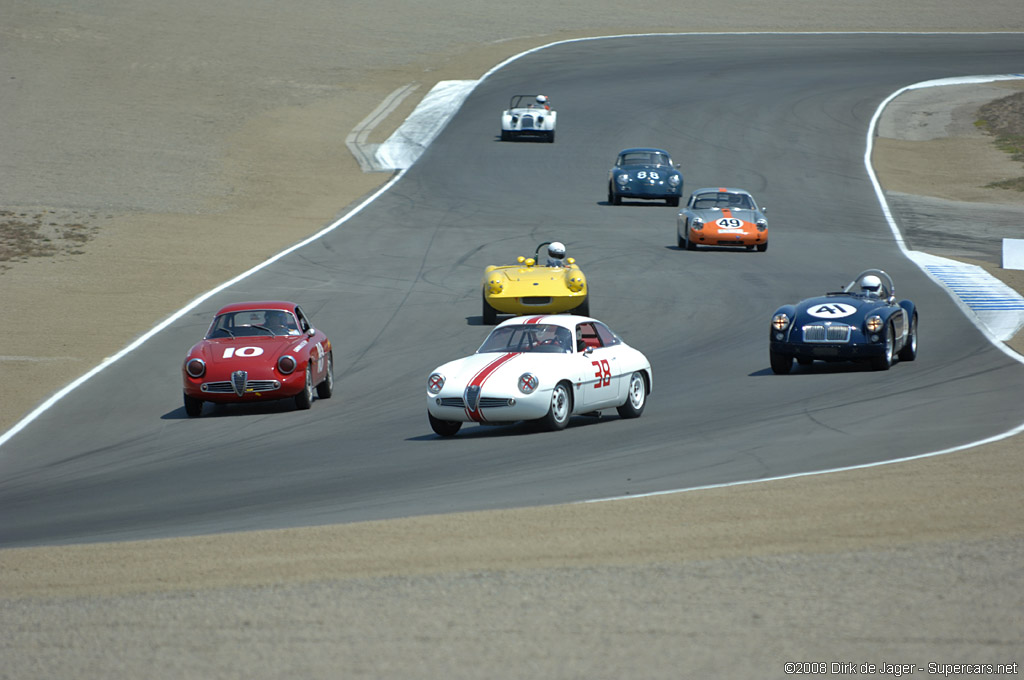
(702, 238)
(492, 408)
(634, 190)
(553, 304)
(256, 388)
(824, 351)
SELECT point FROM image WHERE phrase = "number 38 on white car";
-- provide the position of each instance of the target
(544, 368)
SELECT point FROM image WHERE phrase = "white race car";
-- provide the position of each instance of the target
(545, 368)
(528, 115)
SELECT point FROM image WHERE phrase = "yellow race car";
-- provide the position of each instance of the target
(528, 287)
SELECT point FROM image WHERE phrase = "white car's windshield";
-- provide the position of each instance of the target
(528, 338)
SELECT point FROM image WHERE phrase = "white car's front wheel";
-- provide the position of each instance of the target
(561, 408)
(636, 399)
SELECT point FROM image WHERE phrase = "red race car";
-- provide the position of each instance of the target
(258, 351)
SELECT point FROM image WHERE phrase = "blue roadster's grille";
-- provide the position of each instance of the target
(225, 387)
(823, 333)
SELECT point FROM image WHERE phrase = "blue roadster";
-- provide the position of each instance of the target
(863, 322)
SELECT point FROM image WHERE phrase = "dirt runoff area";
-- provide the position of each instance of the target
(246, 106)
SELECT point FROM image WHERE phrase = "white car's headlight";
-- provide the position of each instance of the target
(623, 178)
(528, 383)
(873, 323)
(435, 382)
(780, 322)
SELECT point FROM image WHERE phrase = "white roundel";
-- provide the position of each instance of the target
(831, 310)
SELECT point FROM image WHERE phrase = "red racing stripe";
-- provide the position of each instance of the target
(481, 377)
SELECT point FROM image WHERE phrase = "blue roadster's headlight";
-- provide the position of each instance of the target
(873, 323)
(780, 322)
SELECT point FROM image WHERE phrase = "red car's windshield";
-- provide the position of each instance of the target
(254, 322)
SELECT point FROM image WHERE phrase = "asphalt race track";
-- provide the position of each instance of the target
(397, 290)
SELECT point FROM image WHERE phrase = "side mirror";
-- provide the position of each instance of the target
(311, 332)
(588, 351)
(764, 209)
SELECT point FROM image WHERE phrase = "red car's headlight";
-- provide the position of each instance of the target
(195, 367)
(286, 364)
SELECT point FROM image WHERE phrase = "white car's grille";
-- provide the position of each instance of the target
(485, 402)
(526, 122)
(822, 333)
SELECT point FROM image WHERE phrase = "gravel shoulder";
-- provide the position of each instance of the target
(914, 562)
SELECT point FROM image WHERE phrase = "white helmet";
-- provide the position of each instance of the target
(556, 250)
(871, 284)
(542, 99)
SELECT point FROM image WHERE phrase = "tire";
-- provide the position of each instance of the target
(761, 247)
(560, 410)
(680, 241)
(613, 198)
(781, 363)
(583, 309)
(443, 428)
(506, 135)
(304, 399)
(193, 406)
(804, 361)
(884, 362)
(636, 399)
(672, 202)
(551, 137)
(690, 245)
(326, 387)
(490, 314)
(909, 351)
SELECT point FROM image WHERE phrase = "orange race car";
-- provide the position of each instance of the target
(722, 217)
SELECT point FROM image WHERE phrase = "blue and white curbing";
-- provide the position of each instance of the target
(996, 306)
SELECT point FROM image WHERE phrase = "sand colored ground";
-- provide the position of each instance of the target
(915, 562)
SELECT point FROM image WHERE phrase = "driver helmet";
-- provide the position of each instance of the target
(277, 319)
(556, 250)
(542, 100)
(871, 285)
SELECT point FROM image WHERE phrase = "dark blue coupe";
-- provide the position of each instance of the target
(645, 173)
(863, 322)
